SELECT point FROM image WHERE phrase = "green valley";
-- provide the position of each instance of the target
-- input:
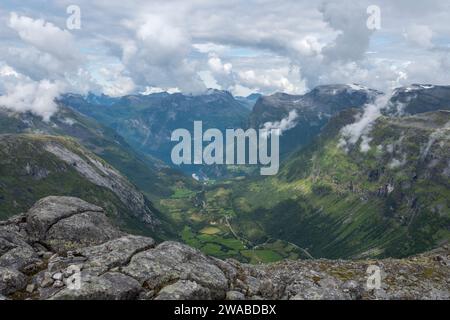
(329, 202)
(382, 193)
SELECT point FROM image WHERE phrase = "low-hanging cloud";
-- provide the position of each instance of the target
(22, 94)
(45, 65)
(284, 124)
(361, 128)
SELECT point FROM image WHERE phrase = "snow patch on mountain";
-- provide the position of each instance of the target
(357, 87)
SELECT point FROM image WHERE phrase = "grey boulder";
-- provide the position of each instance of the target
(67, 223)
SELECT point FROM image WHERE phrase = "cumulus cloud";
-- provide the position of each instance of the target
(45, 50)
(221, 73)
(115, 83)
(157, 55)
(308, 46)
(45, 63)
(216, 65)
(44, 36)
(7, 71)
(286, 80)
(348, 19)
(288, 46)
(21, 94)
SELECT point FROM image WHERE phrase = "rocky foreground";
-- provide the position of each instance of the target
(66, 248)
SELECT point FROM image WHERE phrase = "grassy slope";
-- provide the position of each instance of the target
(29, 173)
(336, 203)
(329, 202)
(151, 176)
(325, 201)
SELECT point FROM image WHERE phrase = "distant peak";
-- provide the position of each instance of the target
(212, 91)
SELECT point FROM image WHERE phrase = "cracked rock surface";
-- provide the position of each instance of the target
(66, 248)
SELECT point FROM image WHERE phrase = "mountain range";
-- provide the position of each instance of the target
(147, 121)
(358, 167)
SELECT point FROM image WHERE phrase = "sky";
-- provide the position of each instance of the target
(135, 46)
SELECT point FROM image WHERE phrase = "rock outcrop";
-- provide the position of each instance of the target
(101, 174)
(37, 165)
(65, 248)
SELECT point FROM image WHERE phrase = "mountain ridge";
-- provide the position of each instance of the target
(34, 166)
(150, 174)
(372, 202)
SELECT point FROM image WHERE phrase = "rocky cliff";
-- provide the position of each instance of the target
(34, 166)
(65, 248)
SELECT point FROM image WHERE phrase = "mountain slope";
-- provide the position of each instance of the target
(34, 166)
(391, 201)
(146, 122)
(149, 174)
(419, 98)
(249, 101)
(310, 111)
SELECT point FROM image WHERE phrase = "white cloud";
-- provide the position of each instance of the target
(365, 144)
(115, 84)
(239, 90)
(362, 127)
(308, 46)
(395, 163)
(46, 61)
(210, 47)
(158, 54)
(284, 124)
(45, 36)
(216, 65)
(168, 44)
(22, 94)
(348, 19)
(286, 80)
(220, 74)
(7, 71)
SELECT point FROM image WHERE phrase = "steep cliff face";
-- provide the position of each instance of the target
(392, 184)
(65, 248)
(384, 194)
(33, 166)
(152, 176)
